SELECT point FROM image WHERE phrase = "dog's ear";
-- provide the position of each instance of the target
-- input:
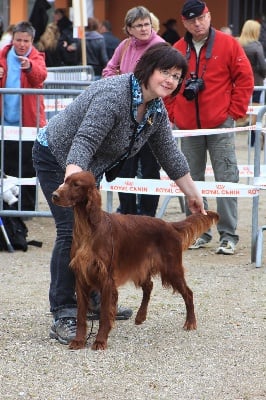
(93, 206)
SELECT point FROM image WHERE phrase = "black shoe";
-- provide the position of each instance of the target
(122, 313)
(64, 329)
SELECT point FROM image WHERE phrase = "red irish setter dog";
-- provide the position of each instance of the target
(110, 249)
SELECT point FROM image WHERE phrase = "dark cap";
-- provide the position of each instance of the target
(193, 8)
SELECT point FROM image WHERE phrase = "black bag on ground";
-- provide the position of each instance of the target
(17, 233)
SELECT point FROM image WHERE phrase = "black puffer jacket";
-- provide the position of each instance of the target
(254, 52)
(96, 51)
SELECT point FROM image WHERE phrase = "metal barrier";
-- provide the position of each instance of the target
(67, 77)
(55, 101)
(253, 114)
(252, 191)
(71, 73)
(257, 236)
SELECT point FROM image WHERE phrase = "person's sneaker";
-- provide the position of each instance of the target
(122, 313)
(64, 330)
(200, 242)
(226, 247)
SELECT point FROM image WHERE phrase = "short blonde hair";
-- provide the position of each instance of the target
(155, 22)
(250, 32)
(49, 38)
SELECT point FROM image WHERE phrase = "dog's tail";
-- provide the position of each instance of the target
(194, 226)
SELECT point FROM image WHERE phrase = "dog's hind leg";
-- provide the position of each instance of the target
(109, 298)
(190, 322)
(146, 294)
(173, 275)
(187, 294)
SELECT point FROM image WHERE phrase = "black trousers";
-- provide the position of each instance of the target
(144, 165)
(255, 99)
(11, 167)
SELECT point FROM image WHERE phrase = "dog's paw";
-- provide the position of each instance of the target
(190, 325)
(99, 345)
(139, 319)
(141, 316)
(77, 344)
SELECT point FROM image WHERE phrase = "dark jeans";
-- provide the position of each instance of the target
(149, 169)
(62, 287)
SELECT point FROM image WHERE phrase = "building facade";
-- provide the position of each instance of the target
(227, 12)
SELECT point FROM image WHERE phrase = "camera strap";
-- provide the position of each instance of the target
(209, 47)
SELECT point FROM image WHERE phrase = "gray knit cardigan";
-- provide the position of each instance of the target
(96, 128)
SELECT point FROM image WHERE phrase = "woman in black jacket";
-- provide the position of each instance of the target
(249, 40)
(95, 48)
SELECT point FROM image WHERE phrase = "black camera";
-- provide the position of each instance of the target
(193, 86)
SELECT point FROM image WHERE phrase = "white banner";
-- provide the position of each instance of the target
(178, 133)
(26, 134)
(56, 104)
(29, 133)
(169, 188)
(245, 171)
(80, 16)
(163, 187)
(254, 110)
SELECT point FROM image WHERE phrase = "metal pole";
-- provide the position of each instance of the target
(82, 32)
(255, 207)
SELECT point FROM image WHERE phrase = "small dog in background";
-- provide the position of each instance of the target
(109, 250)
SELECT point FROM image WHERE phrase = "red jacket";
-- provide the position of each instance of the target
(29, 80)
(228, 79)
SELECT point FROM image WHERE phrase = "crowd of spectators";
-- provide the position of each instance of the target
(56, 40)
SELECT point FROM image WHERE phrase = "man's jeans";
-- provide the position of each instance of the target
(62, 287)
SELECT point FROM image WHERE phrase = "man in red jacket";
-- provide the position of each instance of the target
(22, 66)
(216, 92)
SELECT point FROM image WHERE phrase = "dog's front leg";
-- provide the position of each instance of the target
(109, 298)
(82, 307)
(146, 294)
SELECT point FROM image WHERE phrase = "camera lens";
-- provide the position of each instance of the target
(193, 86)
(190, 92)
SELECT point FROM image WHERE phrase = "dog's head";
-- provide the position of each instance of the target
(76, 189)
(214, 216)
(79, 191)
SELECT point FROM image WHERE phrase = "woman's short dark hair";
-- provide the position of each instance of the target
(160, 56)
(92, 24)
